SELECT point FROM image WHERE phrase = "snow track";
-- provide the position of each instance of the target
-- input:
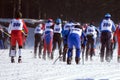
(39, 69)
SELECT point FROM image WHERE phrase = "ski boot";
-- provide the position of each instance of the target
(35, 55)
(77, 60)
(86, 58)
(118, 59)
(44, 56)
(39, 55)
(60, 57)
(64, 57)
(68, 61)
(52, 56)
(108, 59)
(19, 59)
(101, 59)
(91, 59)
(12, 59)
(49, 55)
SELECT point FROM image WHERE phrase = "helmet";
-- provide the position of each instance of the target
(70, 21)
(18, 14)
(107, 15)
(49, 20)
(92, 23)
(58, 21)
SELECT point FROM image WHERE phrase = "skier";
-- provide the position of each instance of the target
(48, 39)
(91, 33)
(65, 33)
(107, 28)
(5, 39)
(38, 40)
(1, 38)
(74, 39)
(57, 38)
(117, 34)
(15, 30)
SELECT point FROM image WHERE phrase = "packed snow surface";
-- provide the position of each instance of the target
(39, 69)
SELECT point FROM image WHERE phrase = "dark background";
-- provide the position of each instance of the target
(78, 10)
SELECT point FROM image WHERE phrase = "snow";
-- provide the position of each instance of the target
(39, 69)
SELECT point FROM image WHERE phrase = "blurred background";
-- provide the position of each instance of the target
(78, 10)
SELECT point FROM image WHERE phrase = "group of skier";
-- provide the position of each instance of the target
(81, 37)
(70, 35)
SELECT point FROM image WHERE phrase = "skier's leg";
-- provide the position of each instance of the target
(92, 49)
(20, 44)
(77, 58)
(50, 48)
(1, 44)
(35, 48)
(44, 50)
(40, 49)
(12, 54)
(53, 49)
(64, 52)
(13, 49)
(60, 48)
(40, 45)
(102, 52)
(69, 56)
(103, 45)
(108, 44)
(87, 51)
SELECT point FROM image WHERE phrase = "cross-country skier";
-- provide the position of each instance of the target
(57, 38)
(74, 39)
(107, 28)
(65, 33)
(15, 30)
(38, 40)
(1, 38)
(48, 39)
(6, 37)
(91, 34)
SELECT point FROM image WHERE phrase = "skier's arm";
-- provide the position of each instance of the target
(25, 28)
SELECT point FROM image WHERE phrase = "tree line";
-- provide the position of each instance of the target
(79, 10)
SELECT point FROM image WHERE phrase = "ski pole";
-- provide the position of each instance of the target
(57, 59)
(5, 33)
(83, 49)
